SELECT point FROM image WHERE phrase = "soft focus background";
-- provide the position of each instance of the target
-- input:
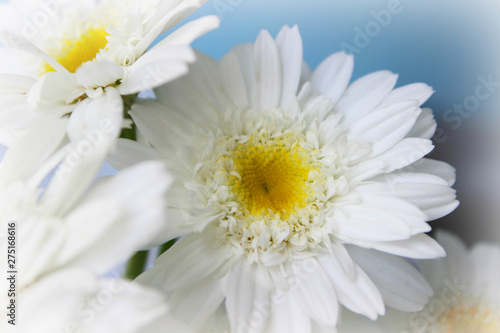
(452, 45)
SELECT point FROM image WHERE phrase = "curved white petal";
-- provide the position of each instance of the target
(400, 284)
(190, 31)
(289, 44)
(332, 76)
(190, 259)
(434, 200)
(359, 294)
(366, 93)
(99, 74)
(316, 295)
(28, 153)
(247, 298)
(419, 246)
(425, 126)
(404, 153)
(268, 71)
(157, 67)
(415, 91)
(433, 167)
(195, 304)
(287, 316)
(233, 79)
(385, 127)
(129, 153)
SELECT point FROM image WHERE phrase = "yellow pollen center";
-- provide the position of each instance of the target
(468, 320)
(73, 53)
(271, 177)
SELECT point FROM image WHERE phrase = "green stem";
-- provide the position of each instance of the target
(136, 265)
(165, 247)
(128, 133)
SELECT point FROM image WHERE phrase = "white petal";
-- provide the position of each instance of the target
(434, 200)
(129, 153)
(316, 295)
(400, 283)
(131, 309)
(366, 169)
(169, 321)
(27, 154)
(125, 212)
(365, 94)
(408, 213)
(332, 76)
(425, 126)
(205, 77)
(96, 118)
(358, 294)
(15, 84)
(43, 241)
(99, 74)
(405, 152)
(457, 257)
(287, 316)
(372, 224)
(22, 44)
(433, 167)
(247, 298)
(162, 126)
(416, 91)
(157, 67)
(190, 259)
(51, 88)
(305, 75)
(168, 14)
(233, 79)
(190, 31)
(196, 303)
(245, 54)
(486, 270)
(290, 47)
(61, 293)
(94, 130)
(268, 81)
(16, 118)
(85, 226)
(387, 126)
(410, 177)
(419, 246)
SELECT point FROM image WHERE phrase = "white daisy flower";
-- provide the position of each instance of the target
(74, 300)
(304, 191)
(466, 294)
(88, 61)
(62, 247)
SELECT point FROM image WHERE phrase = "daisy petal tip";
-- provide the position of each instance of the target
(212, 22)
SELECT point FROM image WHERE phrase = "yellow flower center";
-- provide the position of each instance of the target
(74, 52)
(470, 319)
(271, 177)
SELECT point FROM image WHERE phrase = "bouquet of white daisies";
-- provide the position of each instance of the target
(275, 198)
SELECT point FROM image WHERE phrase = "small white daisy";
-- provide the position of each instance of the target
(62, 247)
(304, 189)
(466, 294)
(74, 300)
(87, 63)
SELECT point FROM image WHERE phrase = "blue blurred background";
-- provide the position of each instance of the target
(452, 45)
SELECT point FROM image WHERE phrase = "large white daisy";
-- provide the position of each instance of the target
(304, 189)
(61, 248)
(466, 294)
(86, 63)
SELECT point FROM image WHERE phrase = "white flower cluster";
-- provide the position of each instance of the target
(292, 196)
